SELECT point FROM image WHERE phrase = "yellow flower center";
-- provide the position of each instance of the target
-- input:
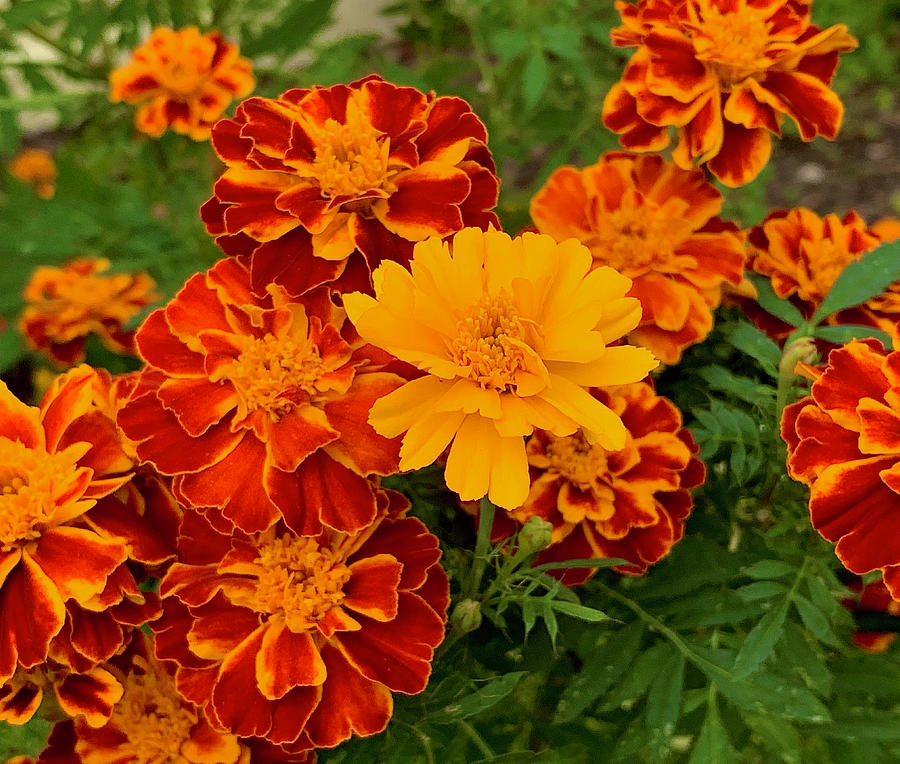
(576, 460)
(30, 484)
(490, 343)
(154, 718)
(732, 44)
(181, 78)
(299, 580)
(351, 159)
(271, 371)
(815, 279)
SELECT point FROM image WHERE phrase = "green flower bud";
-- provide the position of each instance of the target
(466, 615)
(535, 535)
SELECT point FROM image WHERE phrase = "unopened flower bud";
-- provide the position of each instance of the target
(535, 535)
(466, 615)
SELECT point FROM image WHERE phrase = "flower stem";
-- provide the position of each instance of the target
(482, 544)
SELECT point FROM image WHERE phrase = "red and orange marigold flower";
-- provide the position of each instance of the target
(844, 443)
(63, 305)
(36, 168)
(803, 254)
(725, 73)
(872, 598)
(302, 639)
(656, 224)
(258, 405)
(325, 183)
(183, 80)
(629, 503)
(510, 333)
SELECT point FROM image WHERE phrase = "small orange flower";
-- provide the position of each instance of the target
(325, 183)
(656, 224)
(64, 305)
(56, 462)
(872, 598)
(182, 80)
(36, 168)
(844, 443)
(803, 254)
(724, 73)
(629, 503)
(302, 640)
(252, 403)
(510, 333)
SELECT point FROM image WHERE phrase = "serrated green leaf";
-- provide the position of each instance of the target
(766, 692)
(763, 569)
(749, 390)
(778, 735)
(798, 654)
(529, 614)
(534, 78)
(642, 672)
(549, 619)
(760, 590)
(861, 280)
(480, 700)
(840, 335)
(772, 303)
(814, 620)
(580, 612)
(663, 702)
(759, 643)
(750, 340)
(886, 728)
(712, 746)
(602, 667)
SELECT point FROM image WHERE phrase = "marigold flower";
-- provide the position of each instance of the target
(182, 80)
(629, 503)
(56, 461)
(803, 254)
(725, 73)
(36, 168)
(872, 598)
(64, 305)
(302, 640)
(510, 333)
(252, 403)
(319, 174)
(656, 224)
(843, 443)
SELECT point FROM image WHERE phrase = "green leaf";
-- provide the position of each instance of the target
(480, 700)
(772, 303)
(763, 569)
(842, 334)
(11, 349)
(760, 590)
(292, 31)
(534, 78)
(885, 729)
(750, 340)
(24, 740)
(592, 562)
(602, 667)
(640, 675)
(663, 703)
(815, 620)
(712, 746)
(778, 735)
(581, 612)
(861, 280)
(767, 692)
(759, 643)
(748, 390)
(509, 43)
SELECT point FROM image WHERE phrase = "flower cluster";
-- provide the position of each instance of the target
(36, 168)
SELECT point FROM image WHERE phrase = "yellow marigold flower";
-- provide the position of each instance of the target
(36, 168)
(510, 334)
(64, 305)
(182, 80)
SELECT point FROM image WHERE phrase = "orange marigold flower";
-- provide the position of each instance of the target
(656, 224)
(182, 80)
(511, 333)
(844, 443)
(872, 598)
(319, 174)
(803, 254)
(302, 639)
(252, 403)
(56, 462)
(36, 168)
(629, 503)
(725, 73)
(886, 229)
(64, 305)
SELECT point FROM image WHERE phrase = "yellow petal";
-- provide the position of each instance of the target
(427, 438)
(601, 424)
(619, 365)
(399, 410)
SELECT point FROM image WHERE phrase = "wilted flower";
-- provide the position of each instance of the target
(656, 224)
(511, 332)
(182, 80)
(65, 305)
(725, 73)
(322, 184)
(36, 168)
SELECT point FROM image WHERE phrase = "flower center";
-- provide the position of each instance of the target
(181, 78)
(576, 460)
(490, 343)
(155, 720)
(351, 159)
(828, 262)
(299, 580)
(31, 484)
(273, 373)
(732, 44)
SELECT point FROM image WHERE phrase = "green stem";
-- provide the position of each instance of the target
(482, 545)
(477, 739)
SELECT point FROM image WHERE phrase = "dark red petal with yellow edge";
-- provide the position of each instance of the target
(92, 695)
(350, 704)
(19, 701)
(373, 588)
(286, 660)
(236, 703)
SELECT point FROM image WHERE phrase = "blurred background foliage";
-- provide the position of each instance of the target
(733, 649)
